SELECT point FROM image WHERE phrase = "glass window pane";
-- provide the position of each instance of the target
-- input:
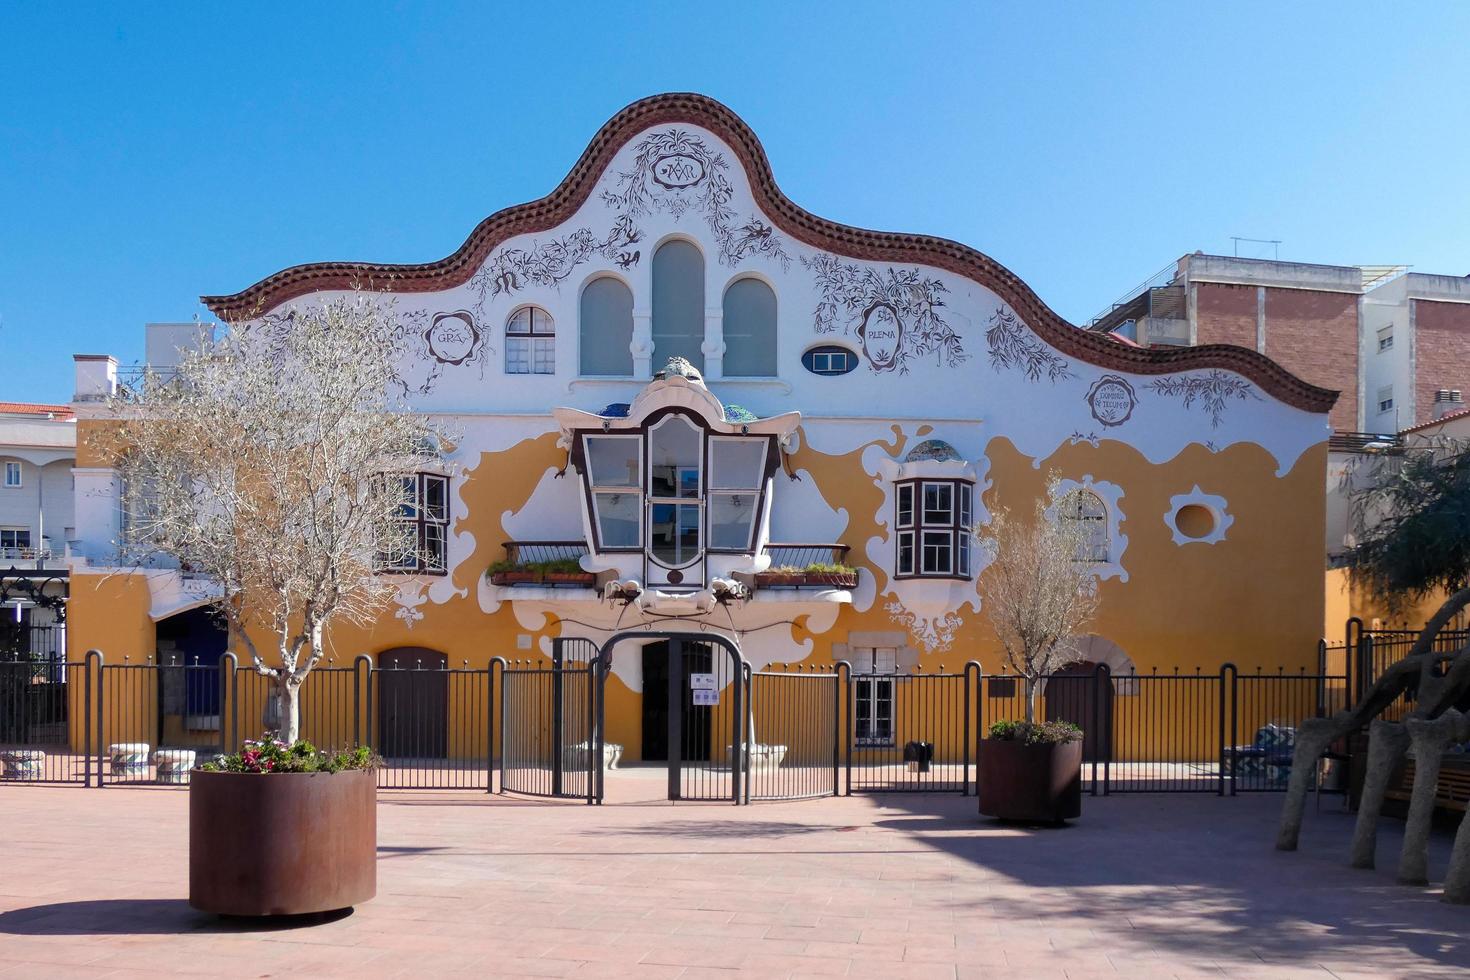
(436, 498)
(938, 546)
(938, 503)
(408, 499)
(675, 446)
(617, 519)
(606, 328)
(906, 505)
(750, 330)
(520, 321)
(678, 304)
(906, 553)
(434, 547)
(541, 321)
(967, 509)
(543, 355)
(737, 464)
(673, 533)
(517, 355)
(731, 518)
(614, 461)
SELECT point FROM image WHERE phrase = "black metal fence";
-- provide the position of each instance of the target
(782, 733)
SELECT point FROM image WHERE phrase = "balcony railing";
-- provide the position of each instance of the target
(803, 555)
(535, 552)
(26, 554)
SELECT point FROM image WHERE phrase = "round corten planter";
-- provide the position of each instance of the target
(282, 843)
(1033, 783)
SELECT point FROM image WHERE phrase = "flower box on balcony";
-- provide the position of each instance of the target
(813, 576)
(559, 572)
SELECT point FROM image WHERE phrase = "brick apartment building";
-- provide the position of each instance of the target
(1395, 343)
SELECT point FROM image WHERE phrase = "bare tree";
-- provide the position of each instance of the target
(1039, 589)
(272, 465)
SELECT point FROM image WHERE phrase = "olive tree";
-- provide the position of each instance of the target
(1039, 590)
(1411, 525)
(270, 465)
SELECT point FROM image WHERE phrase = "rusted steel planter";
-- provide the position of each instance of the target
(1036, 783)
(282, 843)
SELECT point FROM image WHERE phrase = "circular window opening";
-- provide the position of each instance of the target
(1195, 521)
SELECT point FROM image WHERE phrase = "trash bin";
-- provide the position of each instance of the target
(918, 755)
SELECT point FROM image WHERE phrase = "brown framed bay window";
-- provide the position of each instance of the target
(932, 519)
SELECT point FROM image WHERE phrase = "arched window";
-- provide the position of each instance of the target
(1088, 509)
(678, 303)
(750, 330)
(606, 329)
(530, 342)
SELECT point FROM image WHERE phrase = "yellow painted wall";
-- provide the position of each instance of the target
(1255, 599)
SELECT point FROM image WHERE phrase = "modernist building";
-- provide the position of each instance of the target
(685, 403)
(37, 452)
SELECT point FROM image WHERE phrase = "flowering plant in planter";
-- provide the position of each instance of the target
(270, 754)
(1036, 733)
(564, 570)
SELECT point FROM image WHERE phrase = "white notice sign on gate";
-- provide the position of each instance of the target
(702, 682)
(699, 696)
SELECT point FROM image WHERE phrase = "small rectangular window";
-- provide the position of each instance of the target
(12, 474)
(938, 553)
(1385, 398)
(964, 554)
(906, 553)
(906, 505)
(939, 503)
(1385, 339)
(967, 505)
(543, 355)
(14, 538)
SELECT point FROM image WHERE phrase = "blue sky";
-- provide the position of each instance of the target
(153, 152)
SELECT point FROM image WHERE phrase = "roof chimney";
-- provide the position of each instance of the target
(1448, 401)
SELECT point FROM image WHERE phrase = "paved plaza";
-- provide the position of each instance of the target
(93, 883)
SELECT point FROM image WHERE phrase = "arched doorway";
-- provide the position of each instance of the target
(1072, 695)
(412, 692)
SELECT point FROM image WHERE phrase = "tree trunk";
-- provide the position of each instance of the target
(1033, 690)
(1457, 879)
(282, 713)
(1312, 738)
(1430, 739)
(1387, 741)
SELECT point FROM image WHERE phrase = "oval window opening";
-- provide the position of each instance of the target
(1195, 521)
(829, 359)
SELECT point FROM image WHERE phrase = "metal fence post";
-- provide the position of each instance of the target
(229, 689)
(841, 676)
(362, 681)
(558, 737)
(92, 659)
(847, 698)
(1229, 762)
(500, 713)
(1102, 700)
(101, 697)
(972, 667)
(490, 724)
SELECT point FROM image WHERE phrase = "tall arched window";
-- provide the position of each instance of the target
(606, 328)
(750, 330)
(678, 303)
(1087, 509)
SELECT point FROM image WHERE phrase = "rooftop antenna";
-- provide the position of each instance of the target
(1275, 244)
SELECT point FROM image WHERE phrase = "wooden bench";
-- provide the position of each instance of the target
(1451, 793)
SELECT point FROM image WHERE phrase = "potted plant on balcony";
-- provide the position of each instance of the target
(1038, 593)
(559, 571)
(325, 863)
(824, 574)
(278, 465)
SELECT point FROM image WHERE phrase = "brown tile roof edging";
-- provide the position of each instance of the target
(556, 207)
